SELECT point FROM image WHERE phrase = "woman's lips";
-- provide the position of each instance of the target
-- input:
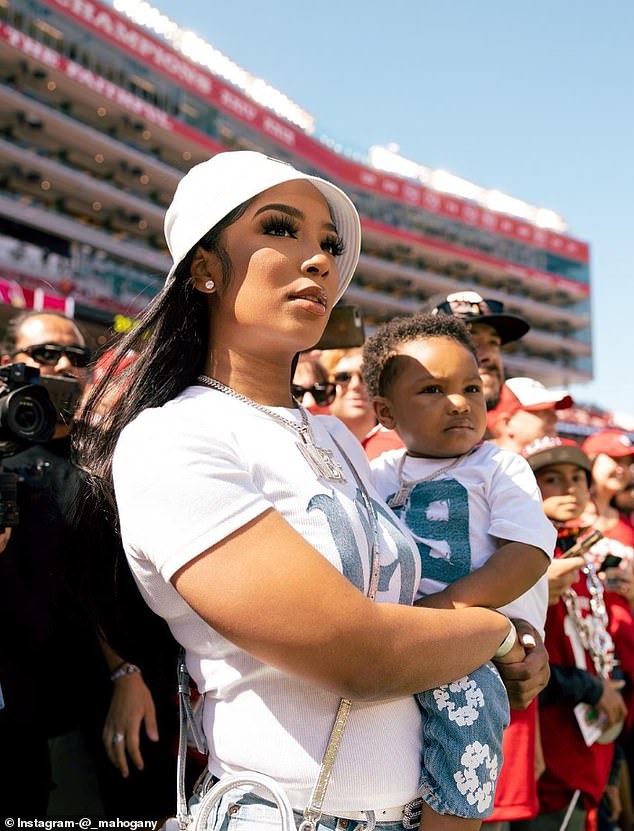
(314, 301)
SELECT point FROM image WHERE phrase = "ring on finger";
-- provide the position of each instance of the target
(117, 738)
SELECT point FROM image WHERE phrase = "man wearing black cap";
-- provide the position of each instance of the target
(491, 328)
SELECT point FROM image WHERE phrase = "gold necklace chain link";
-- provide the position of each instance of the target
(320, 459)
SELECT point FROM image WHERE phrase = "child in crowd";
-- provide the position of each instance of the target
(476, 514)
(585, 627)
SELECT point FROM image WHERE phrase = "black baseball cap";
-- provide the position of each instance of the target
(471, 307)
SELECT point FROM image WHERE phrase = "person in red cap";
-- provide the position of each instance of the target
(526, 411)
(586, 682)
(611, 452)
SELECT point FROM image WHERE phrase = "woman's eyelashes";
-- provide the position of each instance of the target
(334, 245)
(280, 225)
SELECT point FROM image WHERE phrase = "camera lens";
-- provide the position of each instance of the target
(28, 417)
(26, 414)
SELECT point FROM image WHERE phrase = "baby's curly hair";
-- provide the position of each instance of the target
(379, 370)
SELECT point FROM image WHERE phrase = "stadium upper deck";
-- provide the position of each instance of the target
(99, 118)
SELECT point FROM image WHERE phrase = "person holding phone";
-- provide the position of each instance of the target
(590, 639)
(611, 452)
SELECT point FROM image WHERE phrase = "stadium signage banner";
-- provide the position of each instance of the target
(101, 86)
(13, 293)
(112, 26)
(109, 24)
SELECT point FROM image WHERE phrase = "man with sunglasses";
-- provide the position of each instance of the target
(53, 344)
(46, 634)
(42, 632)
(311, 386)
(352, 403)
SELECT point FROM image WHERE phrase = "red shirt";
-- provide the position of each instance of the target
(380, 439)
(570, 764)
(516, 793)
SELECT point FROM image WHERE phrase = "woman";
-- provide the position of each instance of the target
(311, 387)
(242, 518)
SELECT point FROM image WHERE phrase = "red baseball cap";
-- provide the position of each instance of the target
(529, 394)
(611, 441)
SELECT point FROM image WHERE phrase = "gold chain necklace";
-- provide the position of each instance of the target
(320, 459)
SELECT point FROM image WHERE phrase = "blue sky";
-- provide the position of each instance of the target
(535, 99)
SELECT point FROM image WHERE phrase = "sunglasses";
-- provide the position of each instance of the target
(343, 378)
(323, 392)
(48, 354)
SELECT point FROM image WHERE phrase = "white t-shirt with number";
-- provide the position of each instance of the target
(192, 472)
(457, 517)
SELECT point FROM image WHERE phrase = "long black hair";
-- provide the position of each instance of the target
(171, 339)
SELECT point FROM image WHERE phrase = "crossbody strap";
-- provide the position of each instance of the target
(313, 811)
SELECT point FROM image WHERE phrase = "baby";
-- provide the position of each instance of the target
(476, 514)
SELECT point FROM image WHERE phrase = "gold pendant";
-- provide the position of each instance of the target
(322, 462)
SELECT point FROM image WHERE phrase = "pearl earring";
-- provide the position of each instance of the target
(210, 285)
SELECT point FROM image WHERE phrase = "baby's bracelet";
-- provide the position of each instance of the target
(124, 669)
(508, 643)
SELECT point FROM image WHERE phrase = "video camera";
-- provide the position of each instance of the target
(31, 405)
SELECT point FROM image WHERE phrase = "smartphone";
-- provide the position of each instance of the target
(613, 579)
(344, 329)
(611, 561)
(584, 544)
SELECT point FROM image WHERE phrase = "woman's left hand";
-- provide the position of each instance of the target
(131, 706)
(524, 680)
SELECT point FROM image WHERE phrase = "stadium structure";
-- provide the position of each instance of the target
(102, 111)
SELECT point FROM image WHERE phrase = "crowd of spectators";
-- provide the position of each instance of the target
(87, 673)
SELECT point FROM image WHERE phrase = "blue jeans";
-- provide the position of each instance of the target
(238, 811)
(463, 724)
